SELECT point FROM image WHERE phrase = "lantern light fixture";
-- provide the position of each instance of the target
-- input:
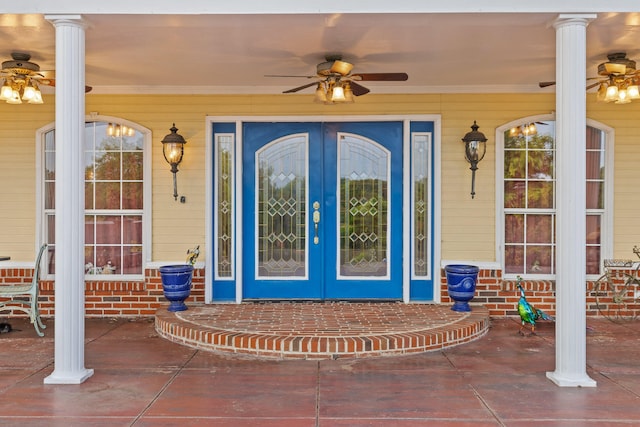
(475, 147)
(173, 150)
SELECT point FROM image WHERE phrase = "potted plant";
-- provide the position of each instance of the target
(176, 281)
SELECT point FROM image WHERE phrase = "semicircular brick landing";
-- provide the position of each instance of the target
(321, 330)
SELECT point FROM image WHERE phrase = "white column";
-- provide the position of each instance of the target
(571, 122)
(69, 283)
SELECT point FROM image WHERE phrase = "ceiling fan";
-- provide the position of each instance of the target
(21, 80)
(617, 80)
(336, 84)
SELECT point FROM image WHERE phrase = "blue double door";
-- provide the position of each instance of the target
(322, 210)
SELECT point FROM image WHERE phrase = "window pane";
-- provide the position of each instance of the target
(132, 229)
(512, 140)
(595, 195)
(50, 165)
(108, 229)
(539, 228)
(105, 142)
(539, 259)
(89, 229)
(514, 194)
(107, 165)
(540, 195)
(89, 172)
(593, 229)
(133, 143)
(514, 259)
(51, 229)
(540, 165)
(50, 195)
(89, 259)
(595, 165)
(132, 260)
(514, 229)
(514, 162)
(595, 139)
(88, 195)
(50, 141)
(593, 259)
(108, 259)
(132, 166)
(107, 195)
(132, 195)
(90, 136)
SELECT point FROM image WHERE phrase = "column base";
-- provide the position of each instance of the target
(68, 377)
(571, 380)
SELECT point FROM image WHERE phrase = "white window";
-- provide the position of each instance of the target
(526, 197)
(117, 195)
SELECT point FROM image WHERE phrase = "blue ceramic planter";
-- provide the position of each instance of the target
(176, 285)
(461, 285)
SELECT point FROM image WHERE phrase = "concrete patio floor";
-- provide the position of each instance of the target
(143, 380)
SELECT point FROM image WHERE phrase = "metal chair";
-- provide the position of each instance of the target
(24, 297)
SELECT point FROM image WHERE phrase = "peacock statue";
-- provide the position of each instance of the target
(192, 255)
(528, 313)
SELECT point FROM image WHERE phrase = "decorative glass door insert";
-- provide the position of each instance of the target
(281, 201)
(363, 200)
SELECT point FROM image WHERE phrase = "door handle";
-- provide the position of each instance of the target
(316, 221)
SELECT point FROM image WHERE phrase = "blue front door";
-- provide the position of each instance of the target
(322, 215)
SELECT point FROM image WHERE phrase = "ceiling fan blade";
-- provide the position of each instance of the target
(47, 82)
(381, 77)
(358, 89)
(280, 75)
(295, 89)
(52, 82)
(547, 84)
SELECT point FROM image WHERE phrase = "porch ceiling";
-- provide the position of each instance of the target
(232, 53)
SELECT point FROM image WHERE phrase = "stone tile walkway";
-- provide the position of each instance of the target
(143, 380)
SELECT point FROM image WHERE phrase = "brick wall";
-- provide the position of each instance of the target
(109, 298)
(501, 296)
(142, 298)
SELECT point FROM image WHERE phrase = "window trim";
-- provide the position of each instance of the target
(606, 238)
(146, 188)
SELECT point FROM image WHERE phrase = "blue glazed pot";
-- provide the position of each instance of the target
(176, 285)
(461, 285)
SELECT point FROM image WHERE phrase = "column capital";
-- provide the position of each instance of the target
(574, 19)
(75, 20)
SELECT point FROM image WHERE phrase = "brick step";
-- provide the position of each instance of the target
(321, 330)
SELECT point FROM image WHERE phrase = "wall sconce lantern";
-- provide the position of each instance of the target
(173, 149)
(475, 147)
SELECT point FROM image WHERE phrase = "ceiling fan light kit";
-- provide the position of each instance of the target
(335, 83)
(618, 82)
(621, 86)
(20, 80)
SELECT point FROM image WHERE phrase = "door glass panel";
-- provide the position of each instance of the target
(364, 206)
(281, 208)
(420, 204)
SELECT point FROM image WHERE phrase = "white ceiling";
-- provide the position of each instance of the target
(232, 53)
